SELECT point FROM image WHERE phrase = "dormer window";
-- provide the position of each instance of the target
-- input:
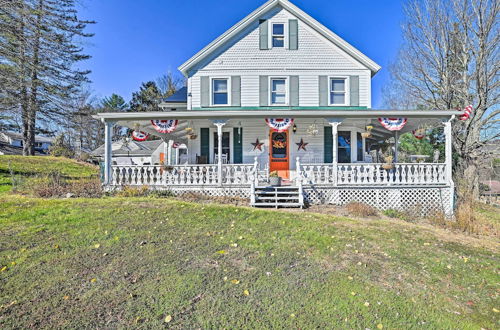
(278, 35)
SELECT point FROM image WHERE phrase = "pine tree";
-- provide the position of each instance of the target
(38, 53)
(147, 98)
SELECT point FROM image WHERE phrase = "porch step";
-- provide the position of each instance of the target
(287, 196)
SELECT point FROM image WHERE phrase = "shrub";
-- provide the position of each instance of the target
(360, 209)
(392, 213)
(128, 191)
(55, 185)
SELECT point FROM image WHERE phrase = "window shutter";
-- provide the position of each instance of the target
(328, 144)
(236, 91)
(294, 91)
(263, 91)
(263, 34)
(354, 90)
(205, 92)
(293, 34)
(323, 91)
(205, 143)
(238, 145)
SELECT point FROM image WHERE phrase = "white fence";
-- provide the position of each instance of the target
(363, 174)
(182, 175)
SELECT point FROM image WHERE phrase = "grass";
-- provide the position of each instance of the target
(152, 262)
(139, 262)
(26, 167)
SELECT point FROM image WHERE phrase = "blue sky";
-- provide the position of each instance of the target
(139, 40)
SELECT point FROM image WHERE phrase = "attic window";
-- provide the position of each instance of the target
(278, 35)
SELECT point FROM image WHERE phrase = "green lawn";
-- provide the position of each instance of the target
(26, 167)
(126, 262)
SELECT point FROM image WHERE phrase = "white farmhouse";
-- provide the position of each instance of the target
(280, 95)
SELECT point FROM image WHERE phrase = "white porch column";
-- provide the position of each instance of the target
(108, 151)
(448, 150)
(335, 133)
(219, 124)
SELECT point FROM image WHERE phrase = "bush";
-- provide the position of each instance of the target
(360, 209)
(391, 213)
(55, 185)
(128, 191)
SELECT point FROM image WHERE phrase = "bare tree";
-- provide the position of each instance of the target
(450, 59)
(169, 83)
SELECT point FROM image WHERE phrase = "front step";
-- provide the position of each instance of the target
(287, 196)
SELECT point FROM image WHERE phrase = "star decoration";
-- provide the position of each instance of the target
(257, 145)
(302, 145)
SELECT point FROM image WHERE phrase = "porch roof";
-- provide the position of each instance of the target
(278, 113)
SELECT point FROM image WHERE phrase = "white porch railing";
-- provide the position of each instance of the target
(182, 175)
(403, 174)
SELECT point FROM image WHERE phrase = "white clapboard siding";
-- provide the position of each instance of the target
(315, 56)
(254, 129)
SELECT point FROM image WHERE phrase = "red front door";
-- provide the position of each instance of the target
(278, 154)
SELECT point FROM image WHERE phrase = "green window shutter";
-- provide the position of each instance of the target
(293, 34)
(263, 34)
(205, 92)
(263, 91)
(354, 90)
(328, 144)
(236, 91)
(323, 91)
(205, 142)
(238, 145)
(294, 91)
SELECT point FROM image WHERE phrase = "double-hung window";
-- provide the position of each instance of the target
(220, 95)
(278, 91)
(278, 34)
(338, 91)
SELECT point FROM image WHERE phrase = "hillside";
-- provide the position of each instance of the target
(154, 262)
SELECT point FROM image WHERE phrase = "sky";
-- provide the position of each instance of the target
(139, 40)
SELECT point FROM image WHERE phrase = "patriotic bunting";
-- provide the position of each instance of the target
(467, 113)
(165, 126)
(139, 136)
(393, 124)
(279, 124)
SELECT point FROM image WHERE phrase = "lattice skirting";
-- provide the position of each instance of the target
(419, 200)
(228, 191)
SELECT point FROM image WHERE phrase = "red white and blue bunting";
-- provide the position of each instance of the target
(279, 124)
(393, 124)
(139, 136)
(165, 126)
(467, 113)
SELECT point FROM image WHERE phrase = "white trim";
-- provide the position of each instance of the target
(212, 91)
(287, 91)
(347, 99)
(255, 15)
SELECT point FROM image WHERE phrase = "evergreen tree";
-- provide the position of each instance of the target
(38, 53)
(147, 98)
(114, 103)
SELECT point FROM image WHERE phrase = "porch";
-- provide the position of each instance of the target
(319, 172)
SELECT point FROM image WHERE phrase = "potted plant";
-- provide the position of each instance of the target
(274, 179)
(388, 165)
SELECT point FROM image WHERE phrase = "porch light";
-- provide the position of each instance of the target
(294, 128)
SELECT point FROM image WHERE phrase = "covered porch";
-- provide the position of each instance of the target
(321, 151)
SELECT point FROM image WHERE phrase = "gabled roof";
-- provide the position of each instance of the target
(304, 17)
(19, 136)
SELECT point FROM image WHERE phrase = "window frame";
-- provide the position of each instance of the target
(347, 91)
(287, 92)
(212, 91)
(272, 35)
